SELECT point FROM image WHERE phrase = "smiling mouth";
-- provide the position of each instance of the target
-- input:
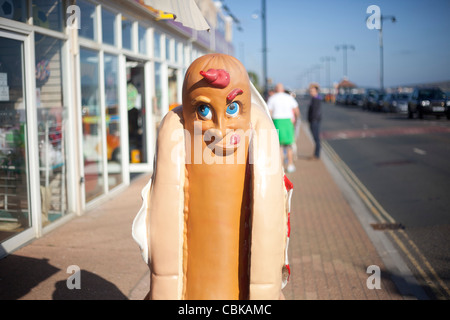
(225, 146)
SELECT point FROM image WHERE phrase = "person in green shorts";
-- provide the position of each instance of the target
(284, 112)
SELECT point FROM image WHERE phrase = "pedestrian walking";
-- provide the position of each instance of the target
(282, 106)
(315, 117)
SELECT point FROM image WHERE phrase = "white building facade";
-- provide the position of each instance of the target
(81, 101)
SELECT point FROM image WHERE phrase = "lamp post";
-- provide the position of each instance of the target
(344, 48)
(317, 68)
(393, 19)
(327, 60)
(264, 46)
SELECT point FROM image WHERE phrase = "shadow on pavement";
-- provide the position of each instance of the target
(93, 287)
(18, 275)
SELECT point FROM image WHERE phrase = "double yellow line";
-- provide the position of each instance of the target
(437, 285)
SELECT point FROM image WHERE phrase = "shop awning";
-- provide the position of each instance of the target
(185, 11)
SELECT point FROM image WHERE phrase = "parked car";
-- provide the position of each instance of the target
(357, 99)
(399, 103)
(447, 104)
(343, 98)
(347, 99)
(376, 102)
(388, 101)
(340, 98)
(428, 101)
(369, 99)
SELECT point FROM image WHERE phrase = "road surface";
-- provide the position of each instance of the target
(402, 168)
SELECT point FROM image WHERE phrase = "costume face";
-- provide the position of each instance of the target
(216, 104)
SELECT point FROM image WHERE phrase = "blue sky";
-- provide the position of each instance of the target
(300, 32)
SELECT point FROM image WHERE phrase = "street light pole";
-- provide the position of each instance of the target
(264, 48)
(345, 47)
(381, 57)
(317, 68)
(382, 49)
(327, 60)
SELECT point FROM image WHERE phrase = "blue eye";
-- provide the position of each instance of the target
(233, 109)
(205, 112)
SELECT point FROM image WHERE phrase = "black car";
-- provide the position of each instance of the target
(340, 98)
(375, 102)
(370, 99)
(427, 101)
(348, 99)
(357, 99)
(388, 101)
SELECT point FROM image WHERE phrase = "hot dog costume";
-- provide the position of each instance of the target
(214, 223)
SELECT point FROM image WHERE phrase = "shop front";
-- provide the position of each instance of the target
(34, 171)
(15, 211)
(80, 106)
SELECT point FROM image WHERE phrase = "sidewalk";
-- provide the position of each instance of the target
(99, 242)
(329, 250)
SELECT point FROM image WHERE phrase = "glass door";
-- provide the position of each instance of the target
(137, 129)
(93, 156)
(15, 213)
(51, 125)
(113, 147)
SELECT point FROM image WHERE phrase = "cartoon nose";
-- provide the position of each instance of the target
(218, 132)
(221, 127)
(213, 134)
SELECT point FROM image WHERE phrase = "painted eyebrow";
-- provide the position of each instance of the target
(234, 93)
(201, 99)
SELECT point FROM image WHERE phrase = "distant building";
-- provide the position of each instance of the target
(345, 85)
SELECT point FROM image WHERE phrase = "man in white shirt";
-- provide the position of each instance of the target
(284, 112)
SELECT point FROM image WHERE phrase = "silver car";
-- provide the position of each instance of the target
(399, 103)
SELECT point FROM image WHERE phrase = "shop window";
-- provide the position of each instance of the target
(108, 27)
(168, 49)
(142, 31)
(48, 14)
(180, 59)
(88, 20)
(157, 44)
(158, 91)
(92, 125)
(137, 131)
(176, 53)
(51, 118)
(113, 148)
(127, 34)
(15, 214)
(14, 10)
(157, 99)
(173, 88)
